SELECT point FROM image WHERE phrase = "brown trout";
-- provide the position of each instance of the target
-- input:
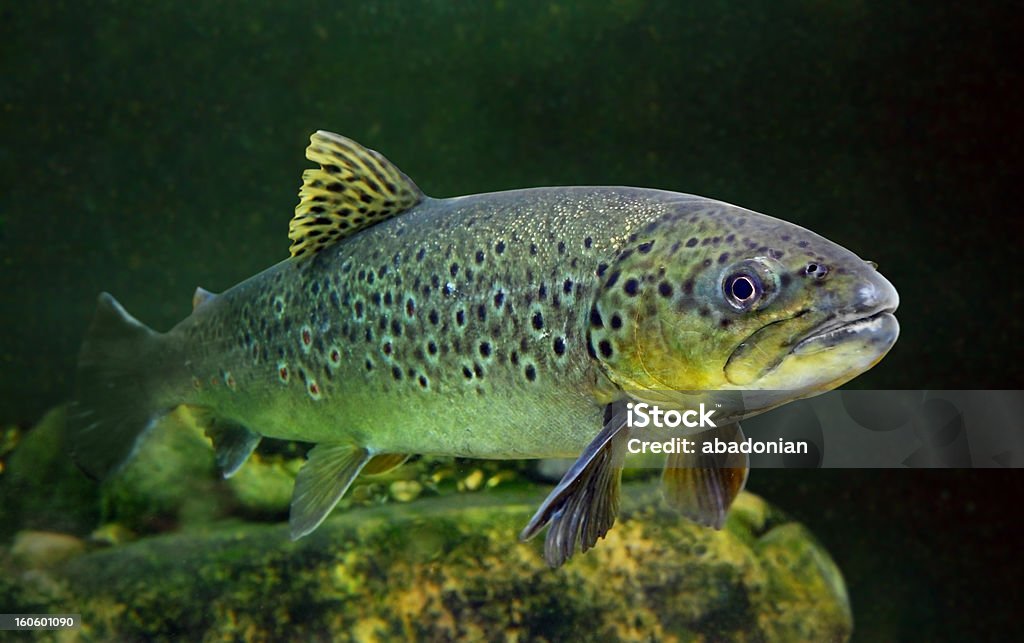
(516, 324)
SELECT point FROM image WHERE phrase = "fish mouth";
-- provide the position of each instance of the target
(879, 328)
(843, 340)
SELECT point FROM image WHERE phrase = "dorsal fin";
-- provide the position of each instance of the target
(353, 189)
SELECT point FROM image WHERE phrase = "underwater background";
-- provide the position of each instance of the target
(147, 148)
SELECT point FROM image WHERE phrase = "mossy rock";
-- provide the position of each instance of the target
(451, 568)
(41, 488)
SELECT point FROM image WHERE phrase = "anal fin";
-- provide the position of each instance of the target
(702, 486)
(584, 505)
(232, 442)
(328, 473)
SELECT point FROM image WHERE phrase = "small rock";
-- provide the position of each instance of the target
(405, 490)
(43, 549)
(473, 481)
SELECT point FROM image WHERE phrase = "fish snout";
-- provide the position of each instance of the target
(872, 294)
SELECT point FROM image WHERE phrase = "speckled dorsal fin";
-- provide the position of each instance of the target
(353, 189)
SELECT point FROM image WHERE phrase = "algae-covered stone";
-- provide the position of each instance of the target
(42, 488)
(451, 568)
(42, 549)
(169, 481)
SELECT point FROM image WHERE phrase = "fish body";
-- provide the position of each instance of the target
(505, 325)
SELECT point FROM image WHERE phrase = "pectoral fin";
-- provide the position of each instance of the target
(702, 486)
(321, 482)
(584, 505)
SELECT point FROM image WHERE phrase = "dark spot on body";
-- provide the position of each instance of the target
(538, 320)
(665, 289)
(396, 372)
(499, 247)
(631, 287)
(531, 372)
(644, 248)
(606, 348)
(559, 346)
(595, 318)
(691, 242)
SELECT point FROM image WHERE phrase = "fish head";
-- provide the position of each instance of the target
(738, 301)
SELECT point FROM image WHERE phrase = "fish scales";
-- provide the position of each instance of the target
(469, 315)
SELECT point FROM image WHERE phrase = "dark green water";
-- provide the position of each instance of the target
(146, 148)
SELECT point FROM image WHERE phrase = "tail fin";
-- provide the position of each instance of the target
(114, 404)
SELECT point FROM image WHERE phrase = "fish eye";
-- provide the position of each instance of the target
(743, 289)
(751, 283)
